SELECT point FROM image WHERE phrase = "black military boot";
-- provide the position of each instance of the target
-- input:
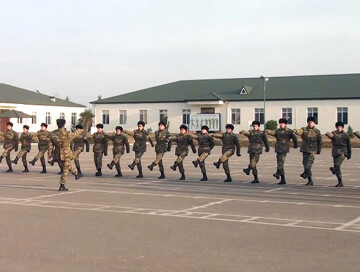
(162, 175)
(51, 162)
(282, 181)
(32, 162)
(98, 173)
(174, 166)
(111, 165)
(15, 161)
(63, 188)
(247, 170)
(228, 178)
(140, 174)
(26, 170)
(77, 176)
(44, 169)
(10, 170)
(256, 180)
(304, 174)
(204, 178)
(333, 170)
(61, 170)
(217, 164)
(310, 182)
(79, 172)
(1, 158)
(196, 163)
(151, 166)
(277, 174)
(132, 166)
(118, 169)
(340, 184)
(182, 176)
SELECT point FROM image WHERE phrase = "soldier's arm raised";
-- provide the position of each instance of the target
(329, 135)
(129, 132)
(245, 132)
(270, 132)
(173, 138)
(298, 131)
(110, 136)
(357, 134)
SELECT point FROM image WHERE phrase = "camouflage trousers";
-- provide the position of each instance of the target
(138, 156)
(308, 161)
(98, 159)
(67, 168)
(76, 155)
(6, 154)
(254, 159)
(280, 158)
(179, 161)
(116, 158)
(41, 156)
(201, 160)
(22, 155)
(226, 156)
(158, 161)
(338, 160)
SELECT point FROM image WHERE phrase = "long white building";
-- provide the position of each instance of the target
(239, 101)
(43, 108)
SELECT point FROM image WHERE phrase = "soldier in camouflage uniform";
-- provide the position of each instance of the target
(44, 145)
(311, 145)
(62, 140)
(283, 136)
(140, 137)
(341, 149)
(229, 142)
(119, 142)
(77, 147)
(206, 144)
(163, 144)
(11, 141)
(25, 140)
(257, 139)
(54, 153)
(183, 141)
(100, 148)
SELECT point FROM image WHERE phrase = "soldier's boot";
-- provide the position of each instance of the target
(196, 163)
(140, 174)
(98, 173)
(217, 164)
(247, 170)
(61, 170)
(44, 169)
(182, 176)
(111, 165)
(340, 184)
(1, 158)
(63, 188)
(277, 174)
(204, 178)
(132, 166)
(80, 174)
(15, 161)
(32, 162)
(333, 170)
(310, 182)
(10, 170)
(151, 166)
(162, 175)
(174, 166)
(256, 180)
(51, 162)
(228, 178)
(304, 174)
(118, 169)
(282, 181)
(26, 170)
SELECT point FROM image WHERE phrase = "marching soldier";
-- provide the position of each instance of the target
(163, 144)
(100, 148)
(283, 136)
(11, 141)
(257, 139)
(229, 142)
(140, 137)
(206, 144)
(62, 140)
(341, 149)
(44, 145)
(25, 140)
(183, 141)
(54, 153)
(77, 147)
(311, 145)
(119, 141)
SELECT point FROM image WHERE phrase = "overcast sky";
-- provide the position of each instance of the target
(83, 49)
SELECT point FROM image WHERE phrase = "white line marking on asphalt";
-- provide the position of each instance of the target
(348, 224)
(206, 205)
(273, 190)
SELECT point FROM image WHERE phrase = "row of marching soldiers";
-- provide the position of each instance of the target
(63, 146)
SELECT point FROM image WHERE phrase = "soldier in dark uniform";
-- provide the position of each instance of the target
(311, 145)
(163, 144)
(25, 140)
(77, 147)
(257, 139)
(183, 141)
(119, 142)
(44, 145)
(11, 141)
(283, 136)
(206, 144)
(100, 148)
(229, 142)
(341, 150)
(140, 137)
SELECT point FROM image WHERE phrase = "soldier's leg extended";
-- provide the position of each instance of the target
(115, 161)
(203, 171)
(98, 163)
(178, 160)
(161, 169)
(8, 161)
(39, 155)
(224, 158)
(19, 155)
(157, 160)
(5, 153)
(338, 160)
(254, 159)
(200, 159)
(227, 171)
(26, 169)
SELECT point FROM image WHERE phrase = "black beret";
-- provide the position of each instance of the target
(141, 123)
(99, 126)
(255, 123)
(339, 124)
(229, 126)
(26, 127)
(78, 127)
(60, 122)
(162, 123)
(283, 121)
(205, 127)
(44, 125)
(311, 119)
(119, 127)
(9, 124)
(184, 127)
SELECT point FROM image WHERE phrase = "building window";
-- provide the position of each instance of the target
(105, 117)
(259, 115)
(73, 118)
(313, 112)
(342, 115)
(48, 118)
(163, 116)
(33, 119)
(287, 114)
(235, 116)
(143, 116)
(62, 115)
(122, 117)
(186, 117)
(19, 120)
(207, 110)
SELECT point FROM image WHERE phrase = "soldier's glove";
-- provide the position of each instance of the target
(348, 157)
(267, 149)
(105, 154)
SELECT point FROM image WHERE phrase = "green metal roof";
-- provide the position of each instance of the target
(11, 94)
(314, 87)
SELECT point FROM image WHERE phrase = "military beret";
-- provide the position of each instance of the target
(141, 123)
(205, 127)
(283, 121)
(119, 127)
(339, 124)
(229, 126)
(9, 124)
(99, 126)
(78, 127)
(311, 119)
(60, 122)
(184, 127)
(26, 127)
(162, 123)
(44, 125)
(255, 123)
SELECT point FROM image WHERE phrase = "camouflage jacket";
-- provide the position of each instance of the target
(119, 143)
(11, 139)
(140, 138)
(341, 143)
(162, 140)
(62, 140)
(206, 142)
(257, 140)
(229, 142)
(283, 137)
(311, 138)
(183, 141)
(357, 134)
(44, 139)
(78, 143)
(100, 142)
(25, 140)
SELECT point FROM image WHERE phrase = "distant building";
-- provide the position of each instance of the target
(43, 108)
(329, 98)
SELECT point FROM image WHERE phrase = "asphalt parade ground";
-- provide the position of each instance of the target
(128, 224)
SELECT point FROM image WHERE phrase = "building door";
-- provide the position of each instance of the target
(3, 122)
